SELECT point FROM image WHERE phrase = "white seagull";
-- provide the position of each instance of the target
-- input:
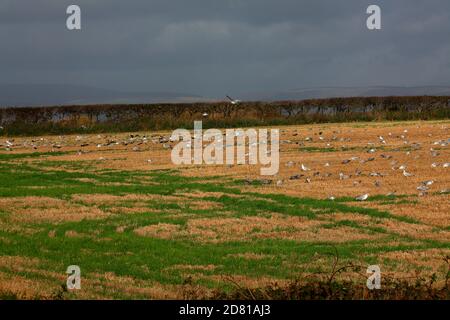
(362, 197)
(407, 174)
(233, 101)
(427, 183)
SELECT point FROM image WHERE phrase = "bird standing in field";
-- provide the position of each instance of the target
(304, 168)
(422, 188)
(363, 197)
(407, 174)
(427, 183)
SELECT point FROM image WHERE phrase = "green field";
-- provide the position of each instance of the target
(100, 249)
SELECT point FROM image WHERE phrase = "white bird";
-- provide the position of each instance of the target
(362, 197)
(290, 164)
(233, 101)
(343, 176)
(304, 168)
(407, 174)
(205, 114)
(434, 153)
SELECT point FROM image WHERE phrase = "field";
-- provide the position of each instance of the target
(140, 227)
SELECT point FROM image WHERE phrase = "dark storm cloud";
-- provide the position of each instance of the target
(214, 46)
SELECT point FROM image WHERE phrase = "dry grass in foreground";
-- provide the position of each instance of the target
(141, 228)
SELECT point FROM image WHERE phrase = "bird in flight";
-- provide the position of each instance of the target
(233, 101)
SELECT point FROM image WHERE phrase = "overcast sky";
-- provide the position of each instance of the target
(212, 47)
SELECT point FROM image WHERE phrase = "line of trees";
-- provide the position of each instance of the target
(102, 118)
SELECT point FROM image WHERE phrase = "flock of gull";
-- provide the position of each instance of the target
(372, 150)
(137, 143)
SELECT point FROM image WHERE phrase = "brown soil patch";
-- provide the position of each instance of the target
(240, 280)
(160, 230)
(204, 205)
(432, 210)
(200, 195)
(248, 228)
(415, 231)
(72, 234)
(431, 258)
(110, 282)
(138, 199)
(44, 209)
(250, 256)
(14, 262)
(24, 289)
(209, 267)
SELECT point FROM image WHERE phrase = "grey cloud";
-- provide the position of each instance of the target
(211, 47)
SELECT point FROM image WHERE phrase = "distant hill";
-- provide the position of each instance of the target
(340, 92)
(13, 95)
(33, 95)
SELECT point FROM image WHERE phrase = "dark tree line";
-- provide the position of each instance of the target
(60, 119)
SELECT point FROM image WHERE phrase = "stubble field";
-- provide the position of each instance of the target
(140, 227)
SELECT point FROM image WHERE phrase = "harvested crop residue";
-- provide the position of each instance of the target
(45, 209)
(248, 228)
